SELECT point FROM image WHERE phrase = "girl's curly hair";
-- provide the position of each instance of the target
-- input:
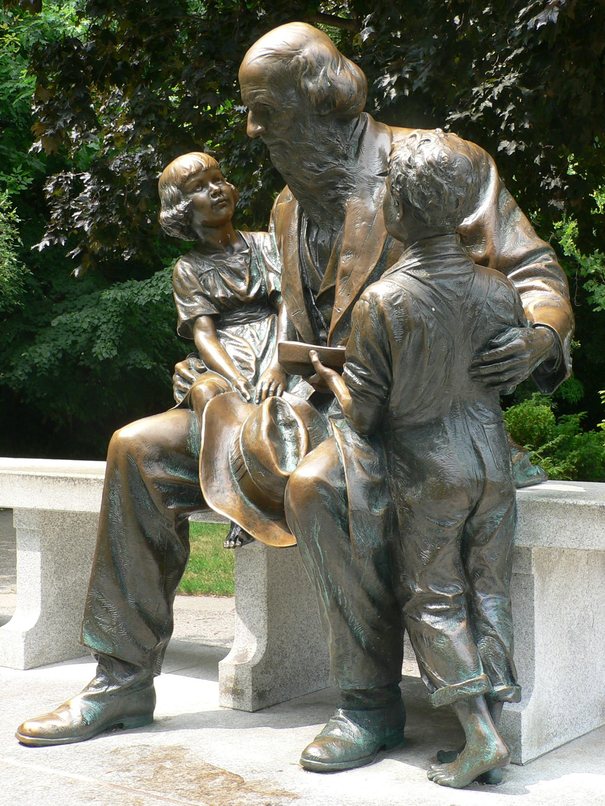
(175, 206)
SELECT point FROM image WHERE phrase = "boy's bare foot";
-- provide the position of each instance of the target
(447, 756)
(473, 761)
(489, 778)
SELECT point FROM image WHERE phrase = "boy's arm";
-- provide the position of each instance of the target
(364, 388)
(335, 384)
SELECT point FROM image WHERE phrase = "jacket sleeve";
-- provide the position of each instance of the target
(500, 236)
(367, 371)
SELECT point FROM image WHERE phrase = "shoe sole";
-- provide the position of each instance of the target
(127, 723)
(341, 766)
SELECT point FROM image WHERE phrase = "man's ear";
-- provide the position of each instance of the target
(235, 192)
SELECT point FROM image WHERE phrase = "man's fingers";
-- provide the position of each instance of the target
(509, 336)
(480, 368)
(504, 377)
(512, 352)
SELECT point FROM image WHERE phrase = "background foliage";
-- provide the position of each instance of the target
(96, 96)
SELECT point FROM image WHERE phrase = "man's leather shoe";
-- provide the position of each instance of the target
(352, 738)
(98, 708)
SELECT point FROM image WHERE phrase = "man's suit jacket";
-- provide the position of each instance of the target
(497, 235)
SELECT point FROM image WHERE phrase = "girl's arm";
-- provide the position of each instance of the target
(273, 380)
(216, 358)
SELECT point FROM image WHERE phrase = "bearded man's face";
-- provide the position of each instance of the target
(275, 113)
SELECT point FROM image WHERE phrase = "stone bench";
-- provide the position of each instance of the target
(279, 652)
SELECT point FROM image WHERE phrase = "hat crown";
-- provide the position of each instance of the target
(273, 440)
(248, 454)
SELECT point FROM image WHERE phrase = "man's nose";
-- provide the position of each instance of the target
(253, 128)
(214, 189)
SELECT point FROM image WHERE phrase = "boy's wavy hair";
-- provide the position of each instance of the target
(175, 217)
(333, 84)
(433, 173)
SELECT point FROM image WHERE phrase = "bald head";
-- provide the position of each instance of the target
(301, 62)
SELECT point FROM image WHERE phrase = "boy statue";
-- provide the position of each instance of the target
(407, 375)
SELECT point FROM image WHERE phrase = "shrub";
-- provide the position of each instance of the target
(559, 444)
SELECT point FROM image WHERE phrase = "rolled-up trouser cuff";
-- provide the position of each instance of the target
(474, 687)
(510, 693)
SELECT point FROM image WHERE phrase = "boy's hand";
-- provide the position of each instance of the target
(329, 377)
(271, 384)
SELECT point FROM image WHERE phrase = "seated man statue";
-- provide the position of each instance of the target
(306, 101)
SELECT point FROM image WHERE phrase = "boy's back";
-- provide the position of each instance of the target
(417, 329)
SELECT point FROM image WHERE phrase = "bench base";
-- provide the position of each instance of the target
(54, 556)
(279, 651)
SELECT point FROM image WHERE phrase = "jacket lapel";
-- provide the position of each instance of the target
(363, 236)
(286, 220)
(364, 232)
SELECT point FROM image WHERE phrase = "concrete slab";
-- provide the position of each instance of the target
(199, 754)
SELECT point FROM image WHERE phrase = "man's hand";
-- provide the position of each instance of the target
(271, 384)
(185, 375)
(242, 385)
(513, 356)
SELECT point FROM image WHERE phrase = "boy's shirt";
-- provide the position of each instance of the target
(415, 332)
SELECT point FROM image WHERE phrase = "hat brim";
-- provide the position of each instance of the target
(223, 418)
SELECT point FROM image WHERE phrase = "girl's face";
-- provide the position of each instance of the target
(212, 197)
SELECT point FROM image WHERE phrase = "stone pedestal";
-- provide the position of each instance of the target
(558, 593)
(54, 557)
(55, 513)
(279, 650)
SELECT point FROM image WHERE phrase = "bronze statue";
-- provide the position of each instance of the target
(226, 292)
(306, 102)
(226, 289)
(306, 98)
(414, 334)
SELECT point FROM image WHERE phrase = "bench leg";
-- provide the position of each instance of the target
(54, 557)
(559, 616)
(279, 651)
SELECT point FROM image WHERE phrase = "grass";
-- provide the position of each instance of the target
(210, 567)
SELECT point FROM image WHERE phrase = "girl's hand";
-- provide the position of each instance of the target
(186, 373)
(271, 384)
(242, 385)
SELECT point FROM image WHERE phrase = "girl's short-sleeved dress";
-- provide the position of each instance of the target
(241, 292)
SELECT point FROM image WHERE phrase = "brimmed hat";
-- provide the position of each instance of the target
(248, 454)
